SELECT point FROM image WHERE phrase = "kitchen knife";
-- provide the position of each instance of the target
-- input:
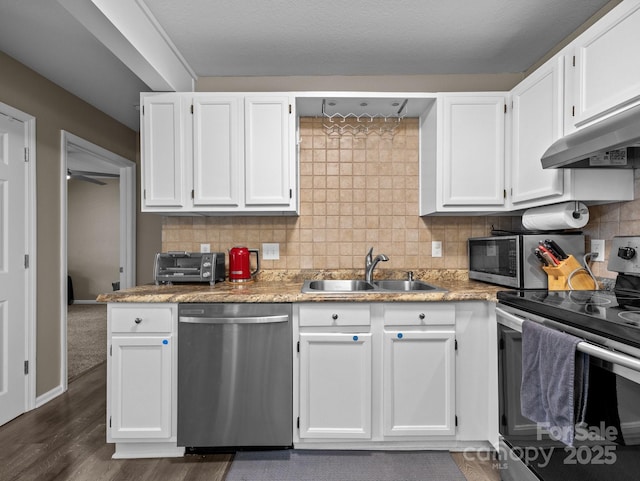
(540, 256)
(553, 261)
(554, 245)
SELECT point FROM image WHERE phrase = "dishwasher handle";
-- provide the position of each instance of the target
(235, 320)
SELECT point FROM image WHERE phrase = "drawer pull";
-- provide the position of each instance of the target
(421, 316)
(334, 316)
(137, 320)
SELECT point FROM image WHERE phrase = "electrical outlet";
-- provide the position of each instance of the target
(270, 252)
(436, 249)
(205, 247)
(597, 245)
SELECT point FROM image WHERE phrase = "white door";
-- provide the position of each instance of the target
(473, 132)
(217, 151)
(537, 123)
(335, 385)
(164, 151)
(13, 275)
(419, 384)
(140, 387)
(606, 74)
(267, 157)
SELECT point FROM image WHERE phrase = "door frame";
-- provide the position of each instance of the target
(127, 227)
(30, 197)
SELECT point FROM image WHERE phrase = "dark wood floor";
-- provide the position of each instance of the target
(65, 440)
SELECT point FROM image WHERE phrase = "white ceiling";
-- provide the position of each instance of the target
(287, 37)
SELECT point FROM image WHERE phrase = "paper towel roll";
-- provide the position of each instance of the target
(556, 217)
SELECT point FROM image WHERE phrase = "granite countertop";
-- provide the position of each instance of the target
(285, 286)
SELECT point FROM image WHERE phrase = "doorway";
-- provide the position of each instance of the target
(98, 246)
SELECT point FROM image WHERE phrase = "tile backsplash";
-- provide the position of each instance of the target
(361, 192)
(609, 220)
(356, 192)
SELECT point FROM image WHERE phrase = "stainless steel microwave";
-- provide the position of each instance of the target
(510, 260)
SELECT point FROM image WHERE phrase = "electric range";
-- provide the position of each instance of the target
(608, 324)
(613, 315)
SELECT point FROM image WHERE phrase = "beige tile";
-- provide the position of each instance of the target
(358, 192)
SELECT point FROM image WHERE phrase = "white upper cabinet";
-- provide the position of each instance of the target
(537, 123)
(607, 72)
(465, 173)
(163, 150)
(268, 142)
(217, 151)
(214, 153)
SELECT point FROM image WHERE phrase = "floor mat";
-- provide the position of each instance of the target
(311, 465)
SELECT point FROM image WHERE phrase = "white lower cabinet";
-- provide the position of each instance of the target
(376, 374)
(141, 380)
(335, 385)
(418, 383)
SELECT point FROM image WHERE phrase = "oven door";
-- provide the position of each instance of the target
(607, 449)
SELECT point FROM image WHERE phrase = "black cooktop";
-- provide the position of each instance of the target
(610, 314)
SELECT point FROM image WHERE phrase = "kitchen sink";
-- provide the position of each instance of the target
(360, 286)
(400, 285)
(334, 285)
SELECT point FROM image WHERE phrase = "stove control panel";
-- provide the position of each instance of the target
(625, 255)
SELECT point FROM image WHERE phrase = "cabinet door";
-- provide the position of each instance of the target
(268, 180)
(537, 123)
(140, 387)
(607, 73)
(217, 151)
(419, 383)
(335, 385)
(164, 154)
(472, 158)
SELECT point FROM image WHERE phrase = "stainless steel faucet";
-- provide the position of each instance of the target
(370, 264)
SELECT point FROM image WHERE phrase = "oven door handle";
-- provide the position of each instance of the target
(515, 323)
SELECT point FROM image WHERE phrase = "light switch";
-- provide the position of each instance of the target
(436, 249)
(270, 252)
(597, 246)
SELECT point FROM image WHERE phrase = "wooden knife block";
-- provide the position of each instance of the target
(559, 275)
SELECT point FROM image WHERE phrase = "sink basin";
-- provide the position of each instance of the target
(399, 285)
(354, 285)
(334, 285)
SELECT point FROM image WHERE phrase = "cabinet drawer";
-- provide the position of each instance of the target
(137, 319)
(335, 314)
(425, 314)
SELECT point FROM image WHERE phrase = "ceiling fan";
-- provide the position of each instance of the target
(88, 176)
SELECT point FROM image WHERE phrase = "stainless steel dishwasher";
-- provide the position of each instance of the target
(235, 376)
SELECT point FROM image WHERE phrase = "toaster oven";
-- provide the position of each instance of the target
(171, 267)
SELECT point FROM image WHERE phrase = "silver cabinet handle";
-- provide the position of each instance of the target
(334, 316)
(137, 320)
(421, 316)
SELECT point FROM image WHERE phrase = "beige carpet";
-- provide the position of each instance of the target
(86, 337)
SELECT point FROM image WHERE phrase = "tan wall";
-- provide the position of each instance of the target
(56, 109)
(93, 236)
(355, 193)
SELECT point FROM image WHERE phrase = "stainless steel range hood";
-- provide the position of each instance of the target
(611, 143)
